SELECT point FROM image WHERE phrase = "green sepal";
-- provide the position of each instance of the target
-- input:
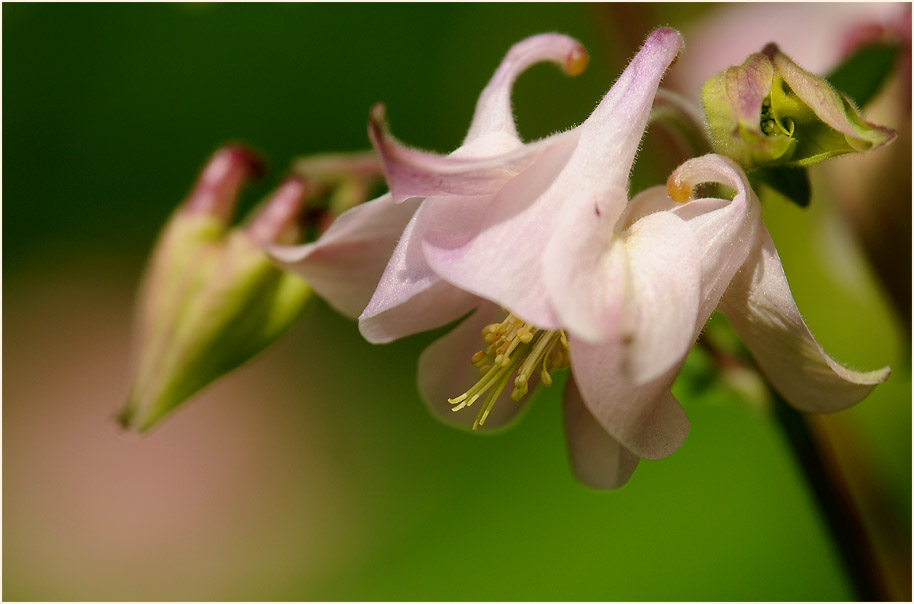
(208, 304)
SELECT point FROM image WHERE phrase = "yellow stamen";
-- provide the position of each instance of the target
(514, 348)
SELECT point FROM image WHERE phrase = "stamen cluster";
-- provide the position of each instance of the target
(769, 124)
(513, 347)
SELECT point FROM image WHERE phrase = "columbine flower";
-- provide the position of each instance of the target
(211, 298)
(515, 193)
(619, 291)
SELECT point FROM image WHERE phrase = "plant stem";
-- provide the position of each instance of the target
(834, 501)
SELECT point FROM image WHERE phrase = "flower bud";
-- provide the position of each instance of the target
(771, 112)
(211, 298)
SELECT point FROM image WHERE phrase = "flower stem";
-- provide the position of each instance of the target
(834, 502)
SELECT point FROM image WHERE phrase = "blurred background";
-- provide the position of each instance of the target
(315, 472)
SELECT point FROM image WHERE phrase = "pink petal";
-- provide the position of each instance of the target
(662, 296)
(502, 263)
(493, 110)
(644, 418)
(445, 371)
(492, 152)
(641, 286)
(475, 169)
(654, 199)
(724, 229)
(410, 297)
(747, 86)
(598, 460)
(760, 306)
(344, 265)
(499, 261)
(611, 135)
(425, 305)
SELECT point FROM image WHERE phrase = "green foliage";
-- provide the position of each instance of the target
(791, 182)
(864, 72)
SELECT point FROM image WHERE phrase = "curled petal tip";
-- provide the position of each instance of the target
(576, 61)
(493, 109)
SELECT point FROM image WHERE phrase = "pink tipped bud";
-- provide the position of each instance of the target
(277, 220)
(218, 185)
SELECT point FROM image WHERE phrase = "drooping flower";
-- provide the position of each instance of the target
(492, 171)
(463, 193)
(618, 290)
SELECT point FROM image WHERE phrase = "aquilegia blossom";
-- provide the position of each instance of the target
(418, 291)
(494, 173)
(618, 290)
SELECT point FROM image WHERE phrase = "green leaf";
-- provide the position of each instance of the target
(791, 182)
(861, 76)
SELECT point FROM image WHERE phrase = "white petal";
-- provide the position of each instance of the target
(611, 135)
(477, 168)
(662, 302)
(644, 418)
(445, 371)
(424, 307)
(345, 264)
(640, 287)
(760, 306)
(410, 297)
(598, 460)
(654, 199)
(500, 259)
(502, 263)
(725, 230)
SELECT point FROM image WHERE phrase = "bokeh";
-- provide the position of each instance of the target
(315, 471)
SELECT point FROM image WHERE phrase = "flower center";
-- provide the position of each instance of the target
(514, 348)
(770, 125)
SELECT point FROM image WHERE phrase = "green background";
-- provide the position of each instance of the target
(315, 472)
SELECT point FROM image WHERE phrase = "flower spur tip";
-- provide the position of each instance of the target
(576, 61)
(255, 163)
